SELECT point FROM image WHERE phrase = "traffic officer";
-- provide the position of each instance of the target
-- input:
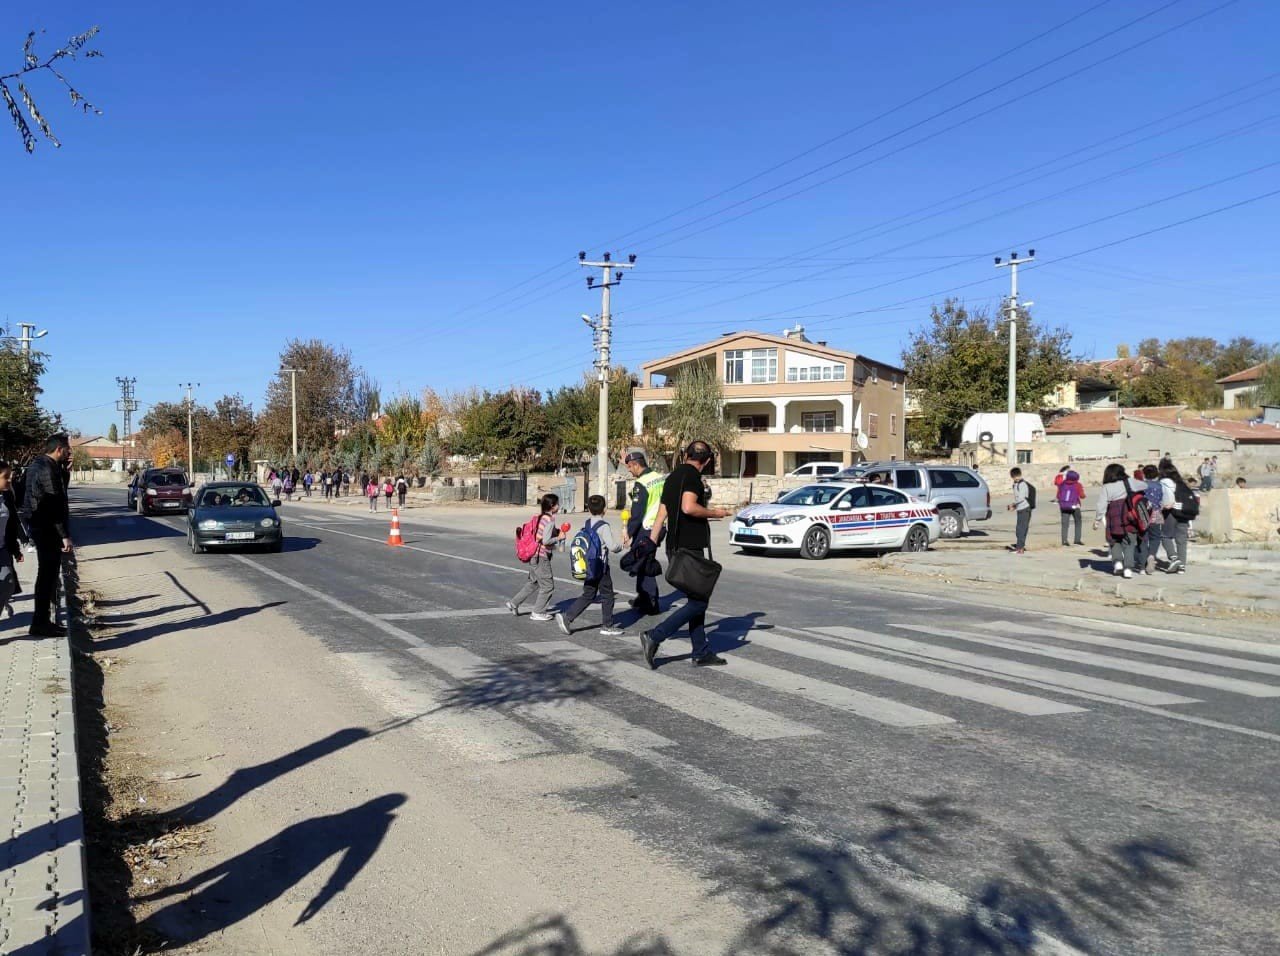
(646, 496)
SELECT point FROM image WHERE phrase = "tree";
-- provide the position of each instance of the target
(24, 424)
(81, 460)
(230, 429)
(51, 66)
(959, 362)
(573, 417)
(166, 447)
(1162, 386)
(697, 412)
(508, 426)
(328, 397)
(113, 433)
(1268, 390)
(1239, 354)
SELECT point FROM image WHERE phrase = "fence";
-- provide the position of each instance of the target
(505, 489)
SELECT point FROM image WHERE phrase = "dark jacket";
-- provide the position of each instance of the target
(15, 535)
(44, 508)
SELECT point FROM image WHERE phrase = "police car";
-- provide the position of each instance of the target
(820, 518)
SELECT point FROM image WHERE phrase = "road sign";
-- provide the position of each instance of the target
(231, 460)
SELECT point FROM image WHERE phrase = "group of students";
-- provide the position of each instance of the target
(670, 510)
(1141, 512)
(399, 486)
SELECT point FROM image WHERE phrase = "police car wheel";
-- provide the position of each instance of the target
(917, 539)
(816, 544)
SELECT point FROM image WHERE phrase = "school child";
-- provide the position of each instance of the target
(589, 551)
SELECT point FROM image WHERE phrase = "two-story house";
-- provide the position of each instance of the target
(793, 400)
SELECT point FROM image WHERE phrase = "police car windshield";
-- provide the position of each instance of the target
(812, 495)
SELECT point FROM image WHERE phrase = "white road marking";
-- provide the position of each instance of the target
(999, 666)
(438, 615)
(593, 725)
(947, 684)
(1199, 640)
(1142, 647)
(1176, 675)
(732, 715)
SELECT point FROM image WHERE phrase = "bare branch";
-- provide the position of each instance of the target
(32, 64)
(35, 115)
(28, 140)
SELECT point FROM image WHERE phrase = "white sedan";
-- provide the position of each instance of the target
(817, 519)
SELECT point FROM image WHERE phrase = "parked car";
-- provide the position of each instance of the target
(960, 494)
(817, 469)
(233, 514)
(159, 490)
(820, 518)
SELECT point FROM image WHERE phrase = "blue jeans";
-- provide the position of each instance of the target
(693, 613)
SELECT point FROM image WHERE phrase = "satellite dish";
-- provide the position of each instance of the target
(986, 438)
(862, 441)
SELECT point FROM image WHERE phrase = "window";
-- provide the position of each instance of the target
(883, 497)
(818, 421)
(906, 478)
(895, 382)
(951, 478)
(893, 424)
(816, 373)
(873, 426)
(1024, 456)
(858, 498)
(756, 366)
(753, 423)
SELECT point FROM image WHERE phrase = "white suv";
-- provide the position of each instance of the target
(817, 469)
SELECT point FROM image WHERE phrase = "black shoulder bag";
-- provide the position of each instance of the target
(689, 571)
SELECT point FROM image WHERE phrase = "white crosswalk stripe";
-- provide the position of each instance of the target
(836, 696)
(947, 684)
(1176, 675)
(438, 615)
(593, 725)
(1002, 665)
(732, 715)
(1256, 648)
(1142, 647)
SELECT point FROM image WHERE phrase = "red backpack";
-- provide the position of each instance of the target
(1137, 510)
(527, 543)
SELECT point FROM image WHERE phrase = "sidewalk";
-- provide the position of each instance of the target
(43, 898)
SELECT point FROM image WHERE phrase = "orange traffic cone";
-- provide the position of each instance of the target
(394, 539)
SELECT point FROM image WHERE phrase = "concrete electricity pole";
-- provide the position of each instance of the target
(126, 404)
(26, 337)
(1011, 446)
(293, 384)
(611, 276)
(191, 454)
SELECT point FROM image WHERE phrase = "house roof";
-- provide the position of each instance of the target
(768, 337)
(1256, 434)
(1106, 421)
(1248, 375)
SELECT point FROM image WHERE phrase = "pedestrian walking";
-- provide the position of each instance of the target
(326, 484)
(1116, 506)
(1181, 506)
(48, 520)
(541, 579)
(288, 486)
(645, 500)
(589, 553)
(1024, 502)
(1149, 541)
(277, 486)
(402, 489)
(1205, 474)
(684, 508)
(371, 490)
(12, 538)
(1070, 499)
(346, 483)
(307, 481)
(388, 489)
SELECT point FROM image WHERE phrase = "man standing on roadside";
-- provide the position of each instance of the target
(684, 508)
(646, 499)
(45, 512)
(1024, 501)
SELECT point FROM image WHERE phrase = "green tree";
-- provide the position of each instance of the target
(1268, 390)
(573, 417)
(81, 460)
(1239, 354)
(113, 433)
(328, 397)
(230, 429)
(959, 362)
(24, 424)
(696, 412)
(1163, 386)
(51, 66)
(508, 426)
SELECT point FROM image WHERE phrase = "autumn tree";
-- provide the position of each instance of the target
(24, 424)
(1161, 386)
(229, 430)
(328, 397)
(50, 66)
(165, 447)
(959, 363)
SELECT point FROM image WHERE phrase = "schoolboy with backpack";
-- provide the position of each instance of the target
(534, 542)
(589, 552)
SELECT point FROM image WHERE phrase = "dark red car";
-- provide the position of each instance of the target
(160, 491)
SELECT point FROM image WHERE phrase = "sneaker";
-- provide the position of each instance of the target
(1146, 571)
(1019, 550)
(709, 660)
(1127, 573)
(1119, 567)
(1173, 566)
(512, 608)
(1181, 570)
(540, 616)
(563, 625)
(611, 632)
(650, 648)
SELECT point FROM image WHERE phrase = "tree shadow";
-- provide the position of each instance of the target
(524, 680)
(129, 638)
(233, 890)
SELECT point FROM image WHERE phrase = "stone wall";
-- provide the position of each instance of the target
(1241, 514)
(1041, 475)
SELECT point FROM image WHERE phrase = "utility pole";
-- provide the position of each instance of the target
(611, 275)
(27, 335)
(126, 404)
(293, 384)
(191, 454)
(1011, 446)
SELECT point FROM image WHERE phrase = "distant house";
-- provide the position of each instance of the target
(793, 400)
(111, 455)
(1096, 385)
(1236, 388)
(1145, 434)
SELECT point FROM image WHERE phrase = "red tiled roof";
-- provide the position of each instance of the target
(1105, 422)
(1248, 375)
(1238, 431)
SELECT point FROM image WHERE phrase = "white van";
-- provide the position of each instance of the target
(817, 469)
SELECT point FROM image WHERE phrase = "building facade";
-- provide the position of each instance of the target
(1237, 389)
(794, 401)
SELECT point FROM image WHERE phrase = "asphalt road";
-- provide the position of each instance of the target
(881, 770)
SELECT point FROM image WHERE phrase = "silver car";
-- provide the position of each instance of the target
(960, 494)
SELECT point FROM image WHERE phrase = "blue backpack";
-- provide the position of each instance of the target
(586, 555)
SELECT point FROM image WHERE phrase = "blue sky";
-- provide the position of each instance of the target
(413, 181)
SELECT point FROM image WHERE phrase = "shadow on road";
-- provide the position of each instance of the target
(138, 635)
(525, 680)
(800, 893)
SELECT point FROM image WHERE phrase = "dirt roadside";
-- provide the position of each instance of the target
(268, 795)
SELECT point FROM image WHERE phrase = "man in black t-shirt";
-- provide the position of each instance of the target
(685, 515)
